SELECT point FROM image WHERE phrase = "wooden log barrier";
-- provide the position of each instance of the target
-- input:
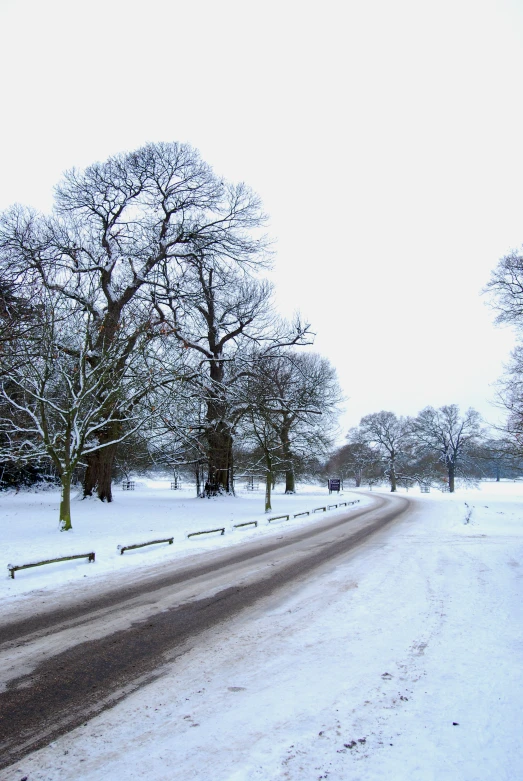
(297, 515)
(123, 548)
(279, 518)
(246, 523)
(319, 509)
(208, 531)
(14, 567)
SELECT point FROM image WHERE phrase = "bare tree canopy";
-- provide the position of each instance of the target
(511, 396)
(355, 460)
(225, 318)
(122, 244)
(152, 262)
(388, 435)
(448, 434)
(291, 401)
(506, 289)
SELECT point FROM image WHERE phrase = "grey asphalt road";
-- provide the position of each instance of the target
(74, 656)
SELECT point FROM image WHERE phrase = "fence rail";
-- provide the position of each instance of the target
(123, 548)
(128, 485)
(15, 567)
(221, 529)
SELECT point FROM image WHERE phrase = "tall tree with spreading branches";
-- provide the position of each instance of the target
(122, 235)
(387, 435)
(449, 435)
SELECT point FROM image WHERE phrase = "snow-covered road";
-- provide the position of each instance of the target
(401, 661)
(63, 665)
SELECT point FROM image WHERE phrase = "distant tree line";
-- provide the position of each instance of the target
(136, 328)
(437, 447)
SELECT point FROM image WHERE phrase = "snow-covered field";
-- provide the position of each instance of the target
(29, 529)
(400, 662)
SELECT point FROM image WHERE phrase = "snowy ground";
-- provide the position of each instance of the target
(401, 662)
(29, 530)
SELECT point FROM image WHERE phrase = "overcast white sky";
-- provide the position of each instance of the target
(384, 138)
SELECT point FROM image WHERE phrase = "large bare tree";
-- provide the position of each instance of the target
(449, 435)
(118, 228)
(226, 319)
(388, 435)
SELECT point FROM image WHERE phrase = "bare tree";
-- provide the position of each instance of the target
(119, 228)
(56, 402)
(300, 396)
(266, 454)
(510, 395)
(175, 435)
(226, 318)
(356, 461)
(497, 458)
(506, 289)
(450, 436)
(388, 435)
(289, 403)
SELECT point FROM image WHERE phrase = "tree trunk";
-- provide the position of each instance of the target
(91, 474)
(100, 464)
(268, 487)
(219, 439)
(451, 470)
(198, 479)
(231, 468)
(290, 479)
(219, 436)
(65, 503)
(392, 477)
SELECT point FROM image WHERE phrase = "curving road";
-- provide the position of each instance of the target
(67, 661)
